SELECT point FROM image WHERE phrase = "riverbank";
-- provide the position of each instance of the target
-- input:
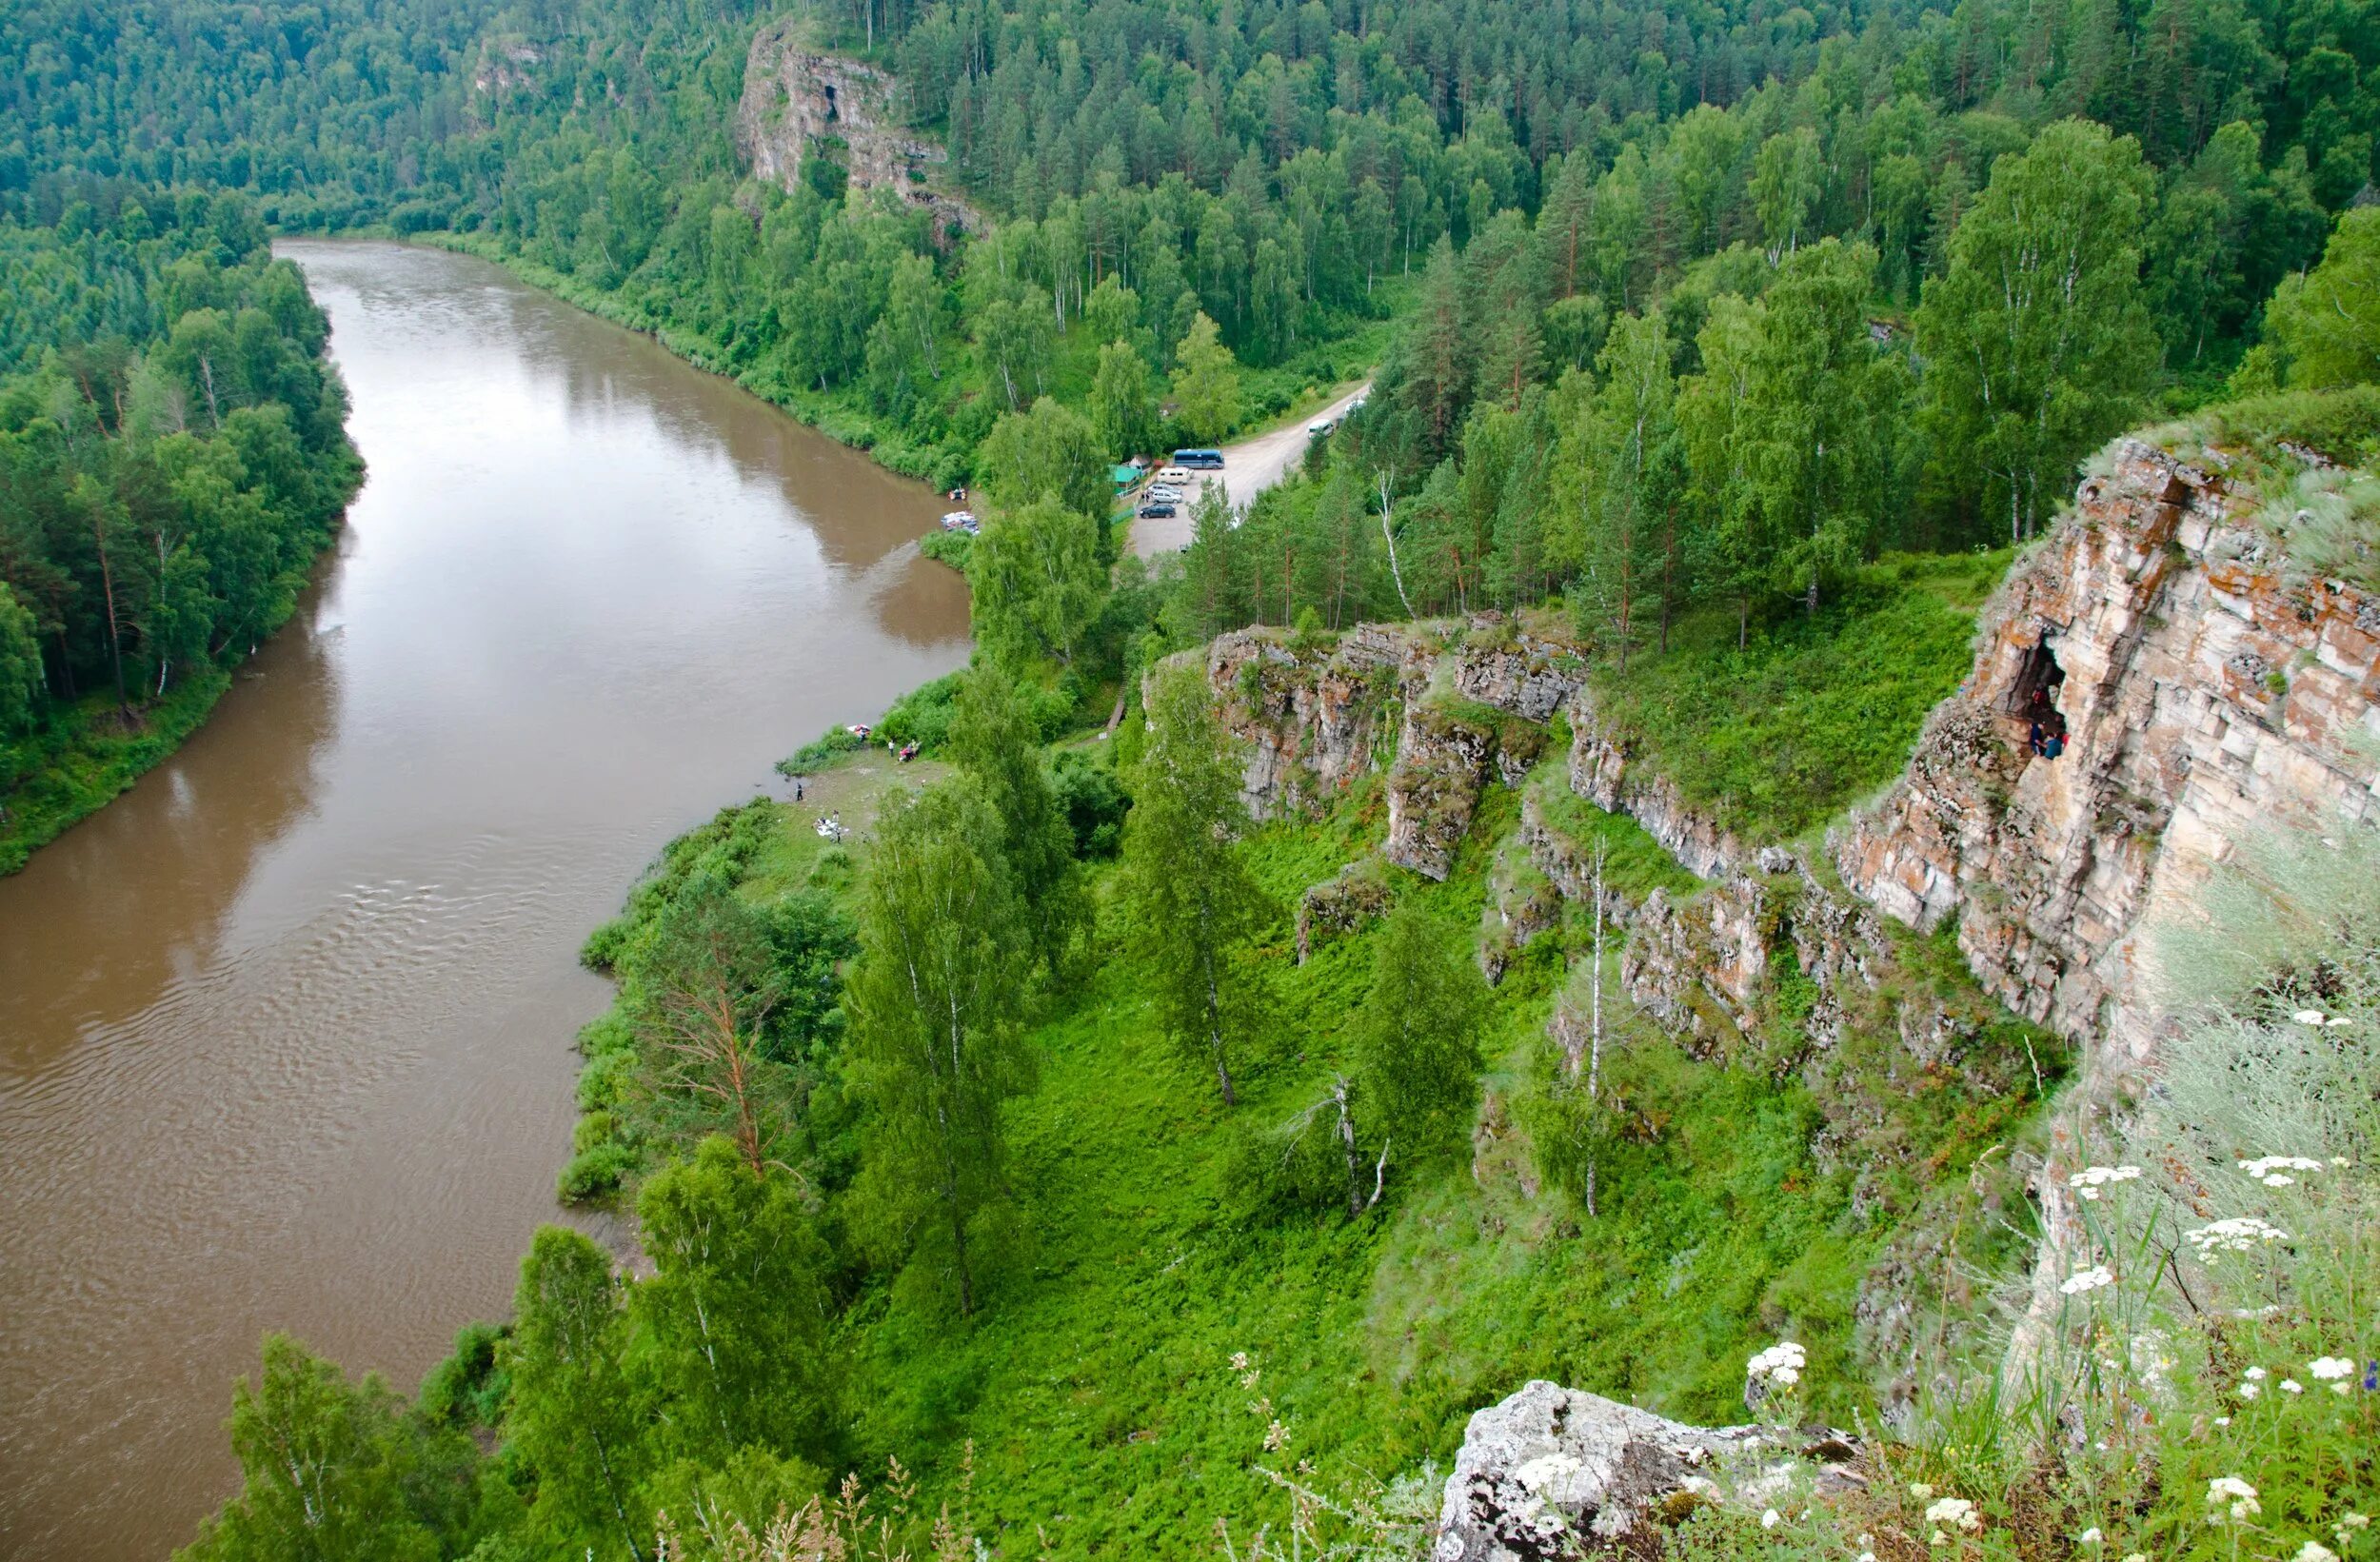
(88, 756)
(1289, 391)
(832, 416)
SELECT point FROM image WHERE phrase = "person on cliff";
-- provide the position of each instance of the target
(2048, 733)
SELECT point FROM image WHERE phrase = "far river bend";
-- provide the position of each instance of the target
(284, 1031)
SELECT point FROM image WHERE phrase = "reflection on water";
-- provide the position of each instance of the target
(284, 1031)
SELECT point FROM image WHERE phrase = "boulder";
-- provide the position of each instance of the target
(1551, 1472)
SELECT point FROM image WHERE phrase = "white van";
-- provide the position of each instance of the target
(1175, 475)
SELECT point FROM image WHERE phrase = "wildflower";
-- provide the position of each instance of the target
(1770, 1519)
(2088, 1181)
(1782, 1362)
(2223, 1420)
(1955, 1510)
(2256, 1375)
(2330, 1369)
(2354, 1521)
(2135, 1556)
(1920, 1490)
(2088, 1279)
(2272, 1170)
(2310, 1016)
(2248, 1390)
(2314, 1550)
(2240, 1233)
(1240, 1361)
(2336, 1020)
(2237, 1493)
(1276, 1437)
(2291, 1385)
(2090, 1537)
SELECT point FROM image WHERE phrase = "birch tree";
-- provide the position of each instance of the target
(1189, 900)
(937, 1000)
(2037, 342)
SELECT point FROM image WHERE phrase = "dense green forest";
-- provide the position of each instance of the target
(1731, 347)
(172, 459)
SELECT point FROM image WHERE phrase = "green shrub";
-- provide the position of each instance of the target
(1094, 800)
(921, 716)
(834, 740)
(595, 1174)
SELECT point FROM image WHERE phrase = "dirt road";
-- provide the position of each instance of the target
(1249, 468)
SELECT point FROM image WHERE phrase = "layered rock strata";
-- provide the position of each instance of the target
(2209, 691)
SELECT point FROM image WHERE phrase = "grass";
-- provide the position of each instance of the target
(1098, 1391)
(1816, 710)
(87, 753)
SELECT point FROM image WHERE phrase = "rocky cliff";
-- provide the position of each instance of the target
(798, 102)
(2208, 688)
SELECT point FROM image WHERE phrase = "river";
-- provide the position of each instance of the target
(285, 1030)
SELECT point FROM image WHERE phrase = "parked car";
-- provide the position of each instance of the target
(1164, 492)
(1157, 511)
(1322, 426)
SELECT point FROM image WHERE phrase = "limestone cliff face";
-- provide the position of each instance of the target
(794, 98)
(2208, 689)
(1467, 703)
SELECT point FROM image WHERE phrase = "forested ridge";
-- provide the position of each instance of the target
(172, 459)
(1731, 347)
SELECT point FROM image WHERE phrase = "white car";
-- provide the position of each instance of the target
(1322, 426)
(1165, 491)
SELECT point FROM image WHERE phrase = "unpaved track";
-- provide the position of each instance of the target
(1249, 468)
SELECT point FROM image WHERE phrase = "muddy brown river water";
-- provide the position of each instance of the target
(284, 1031)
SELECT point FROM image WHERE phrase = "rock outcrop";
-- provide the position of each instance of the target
(1551, 1471)
(1468, 704)
(2208, 687)
(1600, 772)
(795, 99)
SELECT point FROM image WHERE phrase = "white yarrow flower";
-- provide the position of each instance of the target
(2087, 1279)
(2237, 1493)
(2330, 1369)
(2291, 1385)
(2314, 1550)
(2090, 1537)
(1770, 1519)
(2255, 1375)
(1955, 1510)
(2310, 1016)
(2240, 1233)
(1783, 1358)
(2090, 1179)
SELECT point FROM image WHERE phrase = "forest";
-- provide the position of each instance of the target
(1740, 347)
(173, 460)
